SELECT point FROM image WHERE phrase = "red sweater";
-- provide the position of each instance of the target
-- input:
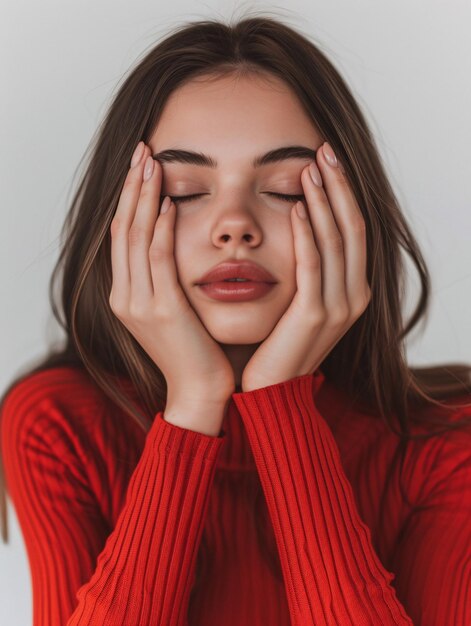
(114, 519)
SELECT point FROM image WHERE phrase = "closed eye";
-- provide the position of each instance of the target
(281, 196)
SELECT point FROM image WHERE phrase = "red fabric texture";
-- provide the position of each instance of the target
(114, 519)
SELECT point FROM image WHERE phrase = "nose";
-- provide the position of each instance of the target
(235, 228)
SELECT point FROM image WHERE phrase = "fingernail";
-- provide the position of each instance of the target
(138, 152)
(165, 205)
(315, 174)
(329, 154)
(149, 168)
(301, 209)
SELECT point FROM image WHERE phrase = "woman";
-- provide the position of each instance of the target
(212, 451)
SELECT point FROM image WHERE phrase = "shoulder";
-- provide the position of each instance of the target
(437, 463)
(57, 401)
(456, 440)
(453, 419)
(367, 442)
(447, 479)
(65, 384)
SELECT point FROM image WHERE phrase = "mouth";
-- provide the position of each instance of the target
(236, 280)
(230, 290)
(237, 271)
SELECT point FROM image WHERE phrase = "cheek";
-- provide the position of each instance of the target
(184, 252)
(282, 242)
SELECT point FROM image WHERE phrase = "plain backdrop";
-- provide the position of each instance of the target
(408, 64)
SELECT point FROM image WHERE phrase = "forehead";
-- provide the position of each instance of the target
(238, 115)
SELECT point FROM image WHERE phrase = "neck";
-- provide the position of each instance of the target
(238, 356)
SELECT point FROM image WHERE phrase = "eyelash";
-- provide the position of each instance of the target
(282, 196)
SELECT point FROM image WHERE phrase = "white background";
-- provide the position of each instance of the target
(408, 64)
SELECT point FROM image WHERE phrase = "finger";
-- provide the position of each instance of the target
(161, 254)
(308, 265)
(142, 230)
(330, 245)
(120, 225)
(351, 224)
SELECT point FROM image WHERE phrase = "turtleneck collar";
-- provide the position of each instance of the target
(236, 453)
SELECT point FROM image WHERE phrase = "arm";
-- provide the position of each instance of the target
(83, 572)
(331, 570)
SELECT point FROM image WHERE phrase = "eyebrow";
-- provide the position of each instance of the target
(198, 158)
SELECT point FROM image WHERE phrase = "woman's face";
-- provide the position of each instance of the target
(233, 120)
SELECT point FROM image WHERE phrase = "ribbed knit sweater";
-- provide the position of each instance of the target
(114, 519)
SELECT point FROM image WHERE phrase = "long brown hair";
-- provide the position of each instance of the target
(369, 361)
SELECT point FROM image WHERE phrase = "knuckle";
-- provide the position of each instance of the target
(128, 182)
(334, 242)
(163, 309)
(133, 178)
(117, 306)
(117, 225)
(312, 262)
(128, 186)
(363, 302)
(358, 223)
(163, 314)
(339, 315)
(157, 252)
(318, 316)
(342, 179)
(147, 191)
(138, 311)
(137, 234)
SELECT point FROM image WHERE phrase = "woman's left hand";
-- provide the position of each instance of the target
(332, 287)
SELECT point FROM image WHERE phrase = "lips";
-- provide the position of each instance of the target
(237, 269)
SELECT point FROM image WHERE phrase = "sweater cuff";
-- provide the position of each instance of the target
(305, 387)
(169, 438)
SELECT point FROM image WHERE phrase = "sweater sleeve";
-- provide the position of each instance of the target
(84, 573)
(332, 573)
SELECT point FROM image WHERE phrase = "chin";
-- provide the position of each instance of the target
(240, 328)
(234, 339)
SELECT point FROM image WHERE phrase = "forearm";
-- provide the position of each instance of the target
(329, 563)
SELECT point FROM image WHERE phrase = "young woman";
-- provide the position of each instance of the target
(209, 450)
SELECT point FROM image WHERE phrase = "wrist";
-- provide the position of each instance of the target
(204, 416)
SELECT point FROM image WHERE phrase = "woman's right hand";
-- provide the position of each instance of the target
(148, 299)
